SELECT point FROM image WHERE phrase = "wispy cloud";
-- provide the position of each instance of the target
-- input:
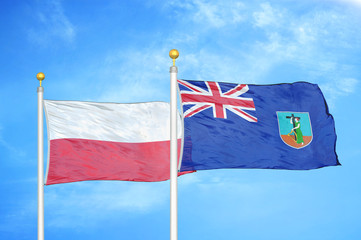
(134, 76)
(122, 75)
(352, 2)
(52, 23)
(311, 42)
(345, 87)
(85, 204)
(244, 197)
(215, 14)
(348, 85)
(306, 40)
(17, 220)
(14, 151)
(267, 16)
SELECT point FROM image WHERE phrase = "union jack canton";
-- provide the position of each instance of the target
(212, 96)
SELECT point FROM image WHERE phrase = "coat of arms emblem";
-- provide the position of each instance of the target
(295, 128)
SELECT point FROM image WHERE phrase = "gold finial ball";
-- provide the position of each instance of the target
(173, 53)
(40, 76)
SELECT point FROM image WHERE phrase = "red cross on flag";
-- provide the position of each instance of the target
(213, 97)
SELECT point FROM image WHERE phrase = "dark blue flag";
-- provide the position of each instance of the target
(281, 126)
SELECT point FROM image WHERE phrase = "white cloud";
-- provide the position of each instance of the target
(306, 41)
(338, 87)
(348, 85)
(14, 151)
(53, 24)
(353, 2)
(345, 86)
(215, 14)
(215, 186)
(87, 203)
(132, 76)
(13, 222)
(304, 34)
(311, 41)
(268, 16)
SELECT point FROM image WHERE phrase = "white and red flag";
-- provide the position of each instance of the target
(108, 141)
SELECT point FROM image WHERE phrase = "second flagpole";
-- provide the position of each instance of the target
(173, 148)
(40, 76)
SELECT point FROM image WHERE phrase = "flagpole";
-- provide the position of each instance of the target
(173, 148)
(40, 76)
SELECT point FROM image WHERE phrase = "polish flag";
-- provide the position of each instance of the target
(108, 141)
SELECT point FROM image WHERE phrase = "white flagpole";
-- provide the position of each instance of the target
(40, 76)
(173, 148)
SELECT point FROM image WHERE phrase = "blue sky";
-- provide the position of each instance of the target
(118, 51)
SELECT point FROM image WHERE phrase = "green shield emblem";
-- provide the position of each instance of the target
(295, 128)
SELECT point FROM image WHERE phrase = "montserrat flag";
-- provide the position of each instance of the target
(280, 126)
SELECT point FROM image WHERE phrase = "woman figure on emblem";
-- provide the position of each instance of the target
(297, 131)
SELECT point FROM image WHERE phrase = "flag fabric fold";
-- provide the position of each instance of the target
(281, 126)
(108, 141)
